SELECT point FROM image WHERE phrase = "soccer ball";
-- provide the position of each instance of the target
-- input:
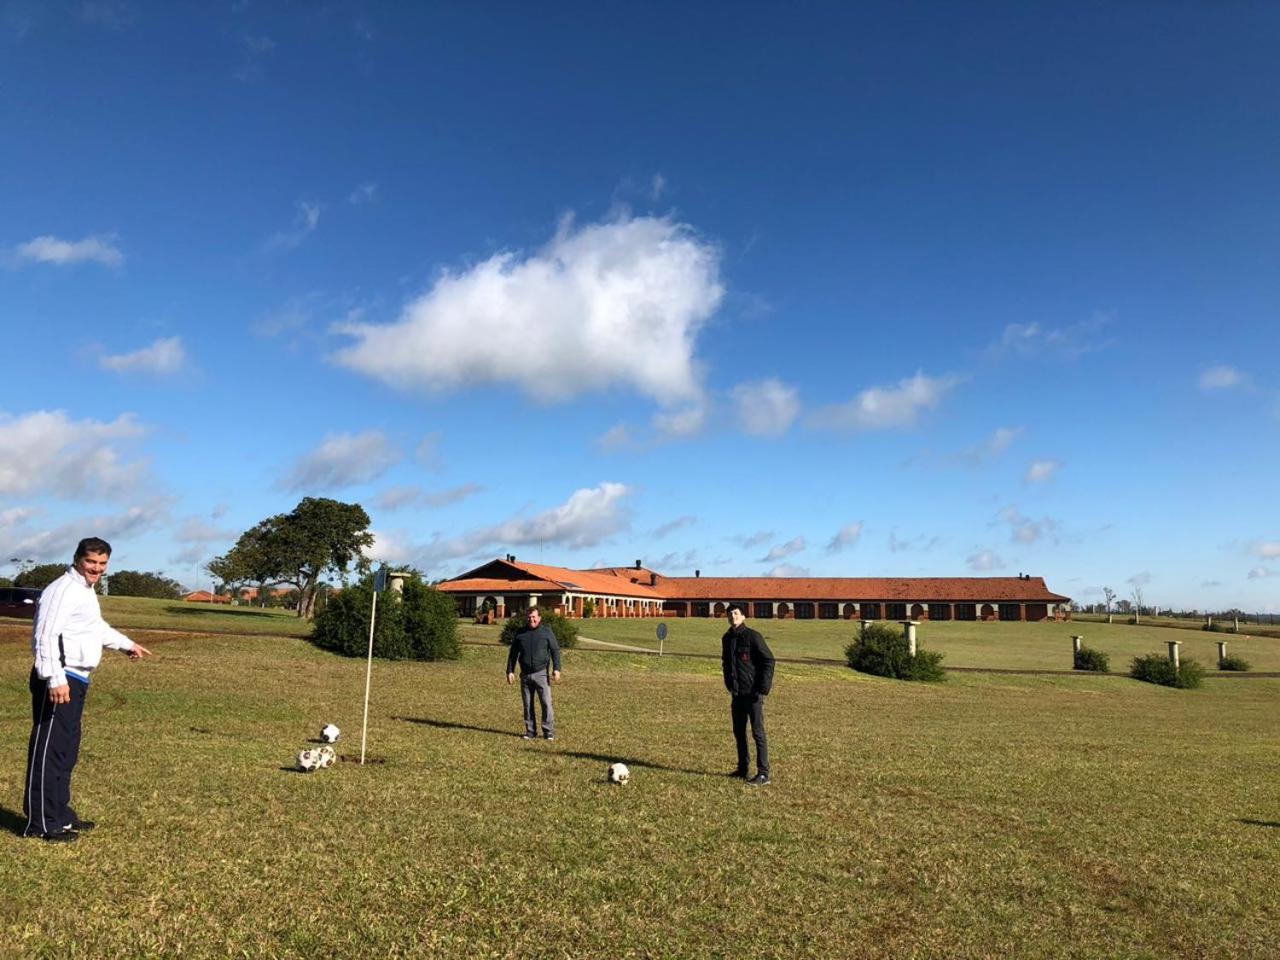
(309, 761)
(327, 757)
(618, 773)
(330, 734)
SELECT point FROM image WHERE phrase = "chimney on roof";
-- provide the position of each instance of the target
(697, 573)
(637, 564)
(653, 579)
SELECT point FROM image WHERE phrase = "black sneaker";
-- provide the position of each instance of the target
(759, 780)
(57, 836)
(81, 826)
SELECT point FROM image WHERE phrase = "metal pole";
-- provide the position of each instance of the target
(368, 675)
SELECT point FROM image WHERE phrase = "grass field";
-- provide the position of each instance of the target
(989, 816)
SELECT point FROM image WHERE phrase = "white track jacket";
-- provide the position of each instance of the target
(69, 630)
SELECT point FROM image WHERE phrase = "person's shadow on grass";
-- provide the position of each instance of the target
(577, 754)
(12, 821)
(1260, 823)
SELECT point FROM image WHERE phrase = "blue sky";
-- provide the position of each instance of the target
(868, 290)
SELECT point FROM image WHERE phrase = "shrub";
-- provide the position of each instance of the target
(566, 633)
(588, 609)
(1156, 668)
(420, 624)
(1233, 663)
(1089, 659)
(883, 652)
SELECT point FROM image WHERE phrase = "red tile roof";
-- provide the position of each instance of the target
(499, 575)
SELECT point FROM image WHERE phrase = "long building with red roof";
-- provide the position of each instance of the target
(501, 587)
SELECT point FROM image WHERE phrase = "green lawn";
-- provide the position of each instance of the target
(124, 613)
(989, 816)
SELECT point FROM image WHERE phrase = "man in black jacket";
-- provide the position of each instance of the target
(748, 676)
(536, 649)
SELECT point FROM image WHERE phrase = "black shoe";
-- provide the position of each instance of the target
(58, 836)
(81, 826)
(548, 737)
(759, 780)
(739, 774)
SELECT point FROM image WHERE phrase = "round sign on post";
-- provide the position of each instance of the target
(662, 636)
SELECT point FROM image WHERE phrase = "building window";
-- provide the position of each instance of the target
(895, 611)
(1010, 611)
(702, 609)
(828, 611)
(763, 611)
(804, 611)
(966, 611)
(939, 611)
(870, 611)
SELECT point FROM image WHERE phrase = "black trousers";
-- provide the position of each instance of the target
(52, 752)
(750, 707)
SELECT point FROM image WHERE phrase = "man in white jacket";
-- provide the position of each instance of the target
(66, 643)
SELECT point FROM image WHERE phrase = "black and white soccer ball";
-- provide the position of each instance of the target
(309, 761)
(327, 757)
(330, 733)
(618, 773)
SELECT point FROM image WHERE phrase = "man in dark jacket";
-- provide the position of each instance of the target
(748, 676)
(536, 649)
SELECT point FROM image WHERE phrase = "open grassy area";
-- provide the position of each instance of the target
(139, 613)
(989, 816)
(1005, 646)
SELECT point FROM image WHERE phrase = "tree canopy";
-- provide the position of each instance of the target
(40, 576)
(131, 583)
(318, 536)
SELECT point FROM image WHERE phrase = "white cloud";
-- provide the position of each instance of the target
(993, 446)
(428, 451)
(672, 526)
(342, 460)
(766, 407)
(687, 422)
(1139, 579)
(884, 408)
(1033, 339)
(200, 536)
(395, 498)
(366, 192)
(305, 222)
(618, 303)
(1266, 548)
(1222, 377)
(787, 570)
(676, 561)
(657, 187)
(49, 249)
(846, 536)
(442, 498)
(754, 540)
(587, 518)
(1041, 471)
(58, 543)
(782, 550)
(47, 452)
(1022, 529)
(617, 437)
(388, 548)
(984, 560)
(1260, 573)
(165, 356)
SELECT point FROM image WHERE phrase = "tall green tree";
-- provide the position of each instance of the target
(131, 583)
(318, 537)
(40, 576)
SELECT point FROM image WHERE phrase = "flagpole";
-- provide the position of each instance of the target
(368, 675)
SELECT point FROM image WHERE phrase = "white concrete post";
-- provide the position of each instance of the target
(1222, 649)
(397, 578)
(533, 600)
(863, 624)
(1173, 652)
(909, 632)
(1236, 628)
(1075, 642)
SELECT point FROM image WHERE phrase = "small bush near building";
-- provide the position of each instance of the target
(419, 624)
(1233, 663)
(1089, 659)
(883, 652)
(566, 633)
(588, 609)
(1155, 668)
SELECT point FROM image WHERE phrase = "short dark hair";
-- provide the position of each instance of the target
(738, 607)
(92, 545)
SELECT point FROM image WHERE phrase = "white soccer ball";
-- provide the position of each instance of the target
(330, 734)
(327, 757)
(618, 773)
(309, 761)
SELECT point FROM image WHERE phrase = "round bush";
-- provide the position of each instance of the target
(1156, 668)
(564, 629)
(1233, 663)
(883, 652)
(420, 624)
(1087, 658)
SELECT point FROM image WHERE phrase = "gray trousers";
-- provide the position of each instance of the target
(537, 684)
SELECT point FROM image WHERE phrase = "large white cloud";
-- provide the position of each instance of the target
(766, 407)
(618, 303)
(49, 249)
(58, 543)
(793, 546)
(342, 460)
(46, 452)
(165, 356)
(885, 408)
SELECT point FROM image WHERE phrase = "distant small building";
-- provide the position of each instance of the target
(204, 596)
(505, 586)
